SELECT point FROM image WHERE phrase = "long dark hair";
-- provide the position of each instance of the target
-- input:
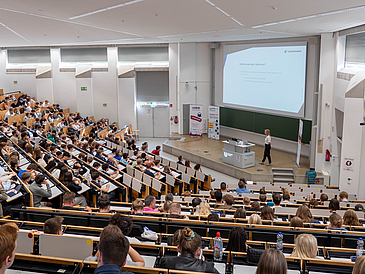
(237, 238)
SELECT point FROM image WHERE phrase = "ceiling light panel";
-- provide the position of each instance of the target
(225, 13)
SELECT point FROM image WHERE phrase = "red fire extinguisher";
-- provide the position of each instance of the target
(328, 155)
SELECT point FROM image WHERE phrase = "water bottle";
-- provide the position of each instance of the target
(360, 247)
(279, 241)
(218, 247)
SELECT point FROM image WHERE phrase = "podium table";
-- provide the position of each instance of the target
(238, 154)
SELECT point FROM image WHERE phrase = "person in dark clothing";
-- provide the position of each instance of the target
(113, 250)
(190, 248)
(69, 201)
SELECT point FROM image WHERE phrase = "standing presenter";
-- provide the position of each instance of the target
(267, 147)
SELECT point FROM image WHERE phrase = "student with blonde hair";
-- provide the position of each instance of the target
(359, 267)
(204, 209)
(305, 246)
(255, 219)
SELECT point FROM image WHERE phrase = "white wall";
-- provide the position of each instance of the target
(127, 102)
(173, 85)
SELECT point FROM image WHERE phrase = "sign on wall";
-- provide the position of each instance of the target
(213, 124)
(84, 89)
(196, 120)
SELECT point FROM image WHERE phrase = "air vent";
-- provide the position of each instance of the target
(21, 70)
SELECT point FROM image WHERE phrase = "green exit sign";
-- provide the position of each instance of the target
(83, 88)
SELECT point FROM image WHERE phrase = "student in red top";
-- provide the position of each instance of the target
(156, 151)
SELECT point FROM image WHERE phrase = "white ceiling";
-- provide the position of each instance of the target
(92, 22)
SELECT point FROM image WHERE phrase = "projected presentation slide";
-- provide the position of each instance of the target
(271, 78)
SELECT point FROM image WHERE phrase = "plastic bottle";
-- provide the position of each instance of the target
(279, 241)
(360, 247)
(218, 247)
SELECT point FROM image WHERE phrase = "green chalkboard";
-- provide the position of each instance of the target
(280, 126)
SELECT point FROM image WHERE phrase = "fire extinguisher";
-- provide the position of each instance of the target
(328, 155)
(175, 120)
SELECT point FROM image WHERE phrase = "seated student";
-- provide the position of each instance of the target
(53, 226)
(26, 178)
(305, 247)
(31, 168)
(156, 151)
(350, 218)
(286, 199)
(336, 222)
(149, 172)
(213, 217)
(187, 163)
(262, 198)
(255, 206)
(111, 161)
(255, 219)
(296, 222)
(190, 247)
(334, 205)
(272, 261)
(118, 155)
(223, 187)
(137, 207)
(228, 201)
(74, 185)
(180, 160)
(69, 201)
(99, 155)
(150, 204)
(240, 213)
(203, 210)
(359, 265)
(105, 169)
(323, 198)
(344, 196)
(218, 198)
(246, 201)
(96, 180)
(242, 187)
(175, 212)
(304, 213)
(125, 159)
(104, 205)
(196, 202)
(37, 190)
(133, 257)
(237, 238)
(8, 245)
(125, 223)
(267, 213)
(113, 250)
(276, 199)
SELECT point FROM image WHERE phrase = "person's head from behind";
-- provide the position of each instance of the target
(240, 213)
(137, 206)
(335, 220)
(267, 213)
(8, 245)
(69, 198)
(350, 218)
(125, 223)
(246, 201)
(104, 205)
(113, 249)
(39, 179)
(169, 197)
(204, 209)
(334, 205)
(242, 183)
(150, 201)
(190, 243)
(223, 186)
(218, 196)
(304, 213)
(175, 208)
(272, 261)
(276, 198)
(255, 206)
(237, 238)
(176, 237)
(228, 199)
(255, 219)
(344, 196)
(53, 226)
(323, 197)
(262, 198)
(109, 229)
(213, 217)
(286, 197)
(296, 222)
(305, 246)
(359, 267)
(196, 201)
